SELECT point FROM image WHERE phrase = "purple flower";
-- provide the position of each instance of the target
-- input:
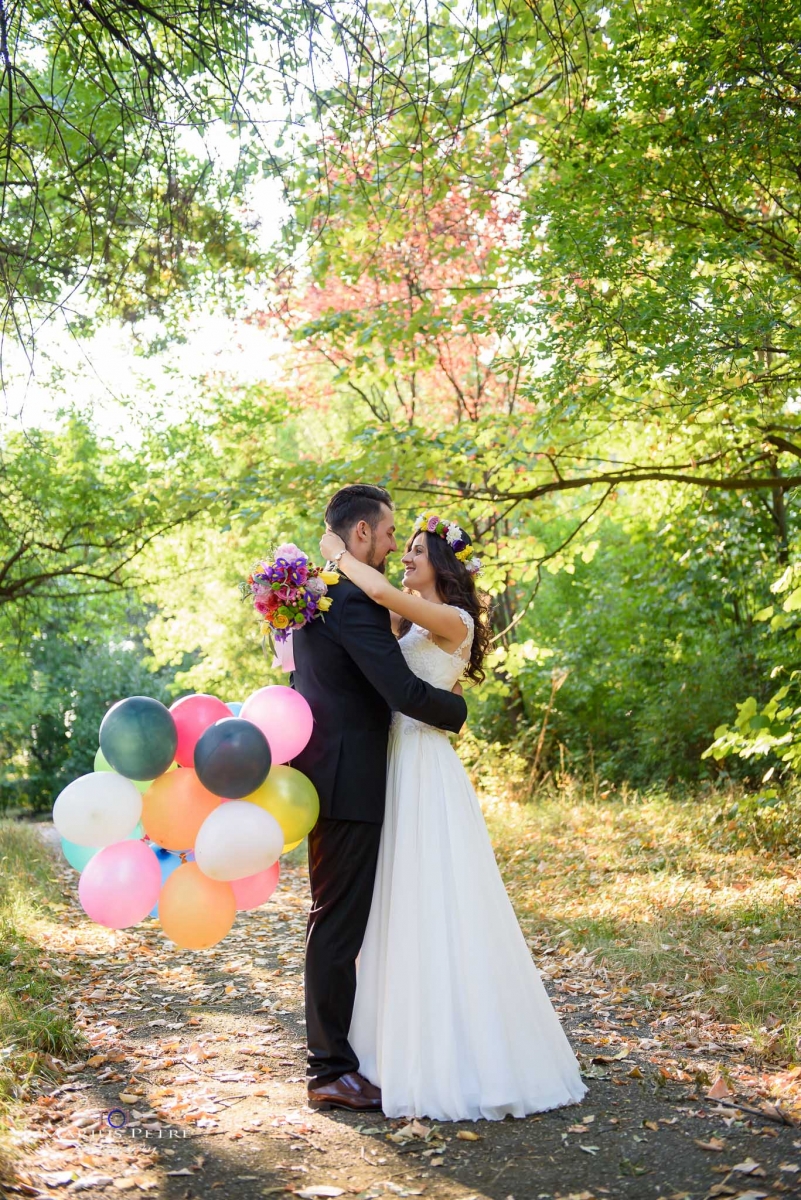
(290, 553)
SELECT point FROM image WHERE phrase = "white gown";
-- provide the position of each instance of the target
(451, 1018)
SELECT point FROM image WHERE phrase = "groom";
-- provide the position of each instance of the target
(350, 669)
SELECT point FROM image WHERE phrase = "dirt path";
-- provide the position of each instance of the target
(199, 1059)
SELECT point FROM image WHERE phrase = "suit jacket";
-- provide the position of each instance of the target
(350, 668)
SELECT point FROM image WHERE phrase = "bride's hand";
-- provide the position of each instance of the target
(330, 544)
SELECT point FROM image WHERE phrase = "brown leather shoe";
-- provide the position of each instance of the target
(351, 1091)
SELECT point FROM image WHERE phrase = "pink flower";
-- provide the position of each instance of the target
(290, 552)
(433, 522)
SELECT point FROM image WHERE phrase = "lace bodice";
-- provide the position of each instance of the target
(430, 662)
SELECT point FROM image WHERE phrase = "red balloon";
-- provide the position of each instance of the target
(193, 715)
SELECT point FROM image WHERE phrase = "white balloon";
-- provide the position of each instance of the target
(238, 839)
(97, 809)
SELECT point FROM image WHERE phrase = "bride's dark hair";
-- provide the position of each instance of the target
(455, 585)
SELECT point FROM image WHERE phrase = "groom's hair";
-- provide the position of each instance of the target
(354, 503)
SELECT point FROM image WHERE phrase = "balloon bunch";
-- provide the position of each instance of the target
(188, 810)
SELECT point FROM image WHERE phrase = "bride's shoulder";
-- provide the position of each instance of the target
(469, 628)
(467, 618)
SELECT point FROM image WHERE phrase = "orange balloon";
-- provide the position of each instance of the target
(174, 807)
(195, 912)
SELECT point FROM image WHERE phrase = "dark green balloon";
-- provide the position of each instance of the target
(232, 758)
(138, 737)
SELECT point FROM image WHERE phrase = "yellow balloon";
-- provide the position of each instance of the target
(195, 912)
(291, 846)
(292, 799)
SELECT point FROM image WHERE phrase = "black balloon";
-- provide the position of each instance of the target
(138, 737)
(232, 758)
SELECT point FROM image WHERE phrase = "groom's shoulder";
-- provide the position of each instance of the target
(350, 599)
(347, 591)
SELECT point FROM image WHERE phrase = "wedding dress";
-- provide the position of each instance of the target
(451, 1018)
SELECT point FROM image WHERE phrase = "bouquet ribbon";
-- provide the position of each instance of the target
(284, 654)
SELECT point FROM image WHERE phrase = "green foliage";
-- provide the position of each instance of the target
(772, 730)
(77, 511)
(107, 198)
(35, 1022)
(540, 283)
(51, 708)
(767, 820)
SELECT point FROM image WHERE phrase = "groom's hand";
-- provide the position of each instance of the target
(457, 689)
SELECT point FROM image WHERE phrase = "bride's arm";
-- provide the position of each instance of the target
(440, 619)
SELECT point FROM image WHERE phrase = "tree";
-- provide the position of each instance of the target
(651, 321)
(76, 513)
(103, 200)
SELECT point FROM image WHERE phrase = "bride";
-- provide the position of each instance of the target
(451, 1018)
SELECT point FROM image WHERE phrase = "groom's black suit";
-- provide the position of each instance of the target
(350, 669)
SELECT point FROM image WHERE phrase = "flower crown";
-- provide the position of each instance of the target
(455, 537)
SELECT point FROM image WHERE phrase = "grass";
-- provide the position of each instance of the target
(657, 887)
(35, 1024)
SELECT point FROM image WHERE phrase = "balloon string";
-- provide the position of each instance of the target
(182, 856)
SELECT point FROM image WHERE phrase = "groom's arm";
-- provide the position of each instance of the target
(365, 633)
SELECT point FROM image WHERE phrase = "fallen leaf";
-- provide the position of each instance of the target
(791, 1168)
(749, 1167)
(713, 1144)
(719, 1090)
(610, 1058)
(58, 1179)
(417, 1129)
(466, 1135)
(91, 1181)
(310, 1193)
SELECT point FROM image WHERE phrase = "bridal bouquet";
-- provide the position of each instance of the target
(288, 591)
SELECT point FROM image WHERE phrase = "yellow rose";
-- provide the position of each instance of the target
(329, 577)
(324, 603)
(265, 627)
(280, 621)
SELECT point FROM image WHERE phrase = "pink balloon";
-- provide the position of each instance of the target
(253, 890)
(283, 716)
(120, 884)
(193, 715)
